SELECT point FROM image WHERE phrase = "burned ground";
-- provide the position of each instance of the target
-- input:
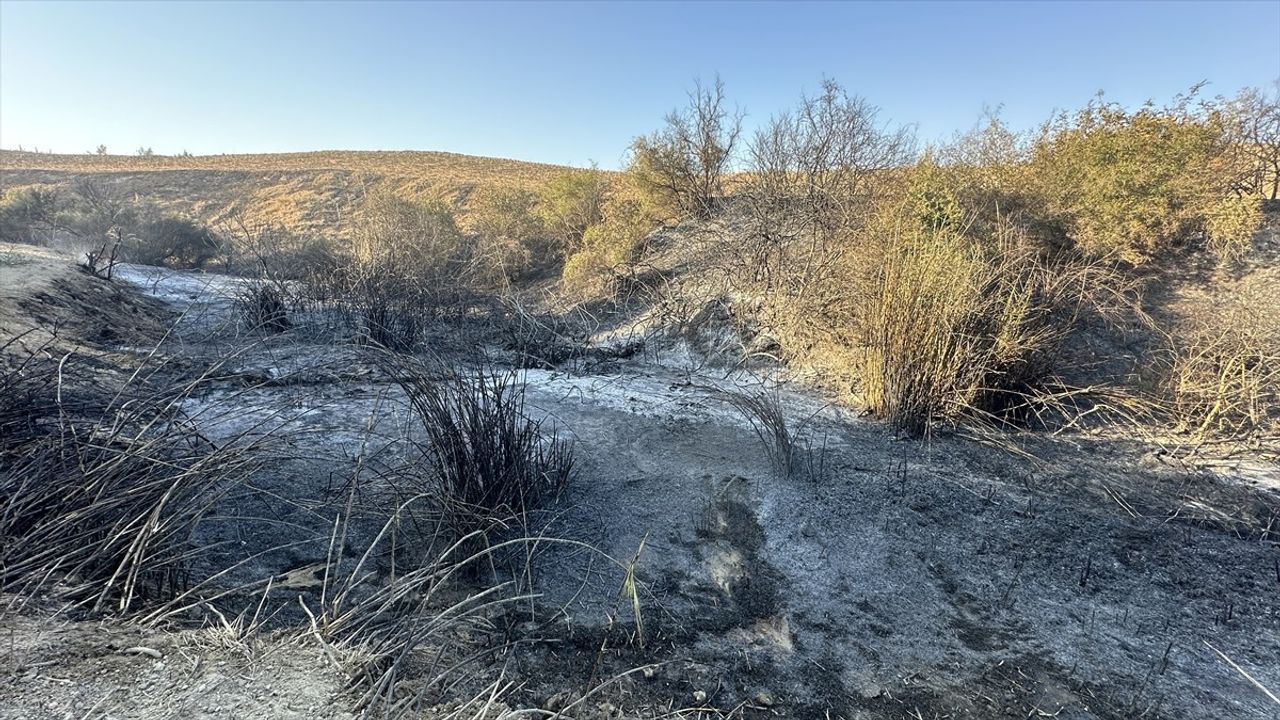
(1080, 576)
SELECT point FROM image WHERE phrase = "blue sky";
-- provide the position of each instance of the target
(573, 82)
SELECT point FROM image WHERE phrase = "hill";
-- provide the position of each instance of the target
(311, 192)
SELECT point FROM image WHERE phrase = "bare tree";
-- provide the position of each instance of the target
(683, 165)
(106, 222)
(1254, 128)
(814, 173)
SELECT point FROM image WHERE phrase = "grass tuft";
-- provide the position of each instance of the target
(484, 457)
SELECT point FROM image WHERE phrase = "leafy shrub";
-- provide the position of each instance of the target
(988, 176)
(109, 220)
(934, 313)
(611, 247)
(171, 241)
(569, 204)
(1132, 184)
(307, 256)
(1230, 224)
(102, 210)
(513, 242)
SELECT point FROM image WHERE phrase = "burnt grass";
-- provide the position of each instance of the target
(916, 579)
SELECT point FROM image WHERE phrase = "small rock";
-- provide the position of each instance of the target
(764, 699)
(649, 671)
(699, 696)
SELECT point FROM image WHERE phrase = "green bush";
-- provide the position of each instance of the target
(29, 214)
(681, 168)
(513, 242)
(1133, 184)
(611, 247)
(172, 241)
(569, 204)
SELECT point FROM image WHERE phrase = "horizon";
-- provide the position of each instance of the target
(571, 84)
(322, 151)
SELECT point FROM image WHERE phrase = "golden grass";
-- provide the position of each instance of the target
(309, 193)
(442, 166)
(1224, 377)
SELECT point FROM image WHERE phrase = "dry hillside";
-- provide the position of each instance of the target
(304, 192)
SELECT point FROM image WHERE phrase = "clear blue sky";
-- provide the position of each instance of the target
(573, 82)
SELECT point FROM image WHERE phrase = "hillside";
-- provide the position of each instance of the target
(303, 192)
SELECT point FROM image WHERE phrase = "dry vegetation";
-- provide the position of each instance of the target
(301, 193)
(935, 286)
(969, 285)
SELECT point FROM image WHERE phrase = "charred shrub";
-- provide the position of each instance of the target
(485, 460)
(262, 307)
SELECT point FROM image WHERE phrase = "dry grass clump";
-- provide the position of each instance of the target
(409, 638)
(262, 306)
(763, 409)
(28, 392)
(790, 453)
(419, 642)
(101, 498)
(1223, 377)
(949, 326)
(483, 458)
